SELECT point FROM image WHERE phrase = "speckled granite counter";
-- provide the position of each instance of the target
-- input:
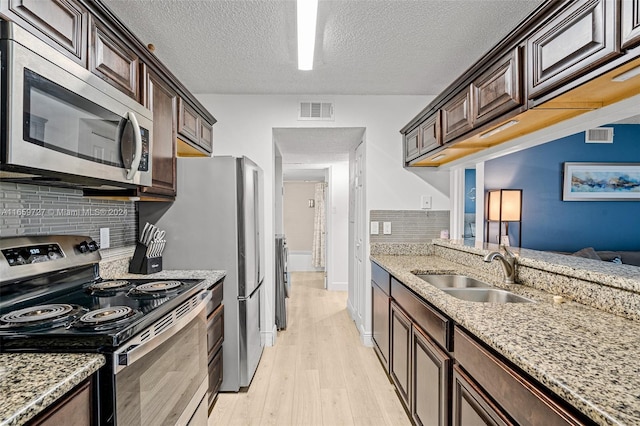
(588, 357)
(29, 383)
(120, 269)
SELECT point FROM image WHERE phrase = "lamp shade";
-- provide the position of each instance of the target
(505, 205)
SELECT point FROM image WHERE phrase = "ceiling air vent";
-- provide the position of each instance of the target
(315, 111)
(599, 135)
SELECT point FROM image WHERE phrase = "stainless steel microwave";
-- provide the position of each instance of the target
(61, 123)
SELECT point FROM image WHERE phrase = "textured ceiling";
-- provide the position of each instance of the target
(300, 146)
(415, 47)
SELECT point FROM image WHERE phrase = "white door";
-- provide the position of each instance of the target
(359, 249)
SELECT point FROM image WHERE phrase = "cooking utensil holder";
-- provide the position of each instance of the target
(141, 264)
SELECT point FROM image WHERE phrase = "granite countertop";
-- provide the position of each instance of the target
(30, 382)
(588, 357)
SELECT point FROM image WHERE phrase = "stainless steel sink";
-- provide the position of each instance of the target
(489, 295)
(452, 281)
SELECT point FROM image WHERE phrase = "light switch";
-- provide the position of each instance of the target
(386, 228)
(375, 228)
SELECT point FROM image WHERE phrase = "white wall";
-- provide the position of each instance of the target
(338, 227)
(245, 125)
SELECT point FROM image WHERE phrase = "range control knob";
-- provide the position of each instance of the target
(93, 246)
(83, 247)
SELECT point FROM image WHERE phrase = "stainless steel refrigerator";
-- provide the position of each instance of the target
(216, 223)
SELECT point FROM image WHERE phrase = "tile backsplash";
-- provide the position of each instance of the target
(42, 210)
(409, 226)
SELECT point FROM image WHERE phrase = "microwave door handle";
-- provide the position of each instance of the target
(137, 155)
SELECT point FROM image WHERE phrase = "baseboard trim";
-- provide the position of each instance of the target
(269, 337)
(338, 286)
(366, 338)
(351, 310)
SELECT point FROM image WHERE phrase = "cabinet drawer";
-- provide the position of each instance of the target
(111, 60)
(215, 330)
(572, 43)
(435, 324)
(216, 297)
(380, 277)
(498, 90)
(457, 118)
(518, 396)
(215, 376)
(60, 23)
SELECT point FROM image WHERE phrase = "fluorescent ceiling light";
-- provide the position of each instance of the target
(499, 129)
(307, 12)
(627, 75)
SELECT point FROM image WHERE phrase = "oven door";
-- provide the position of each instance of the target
(62, 121)
(162, 380)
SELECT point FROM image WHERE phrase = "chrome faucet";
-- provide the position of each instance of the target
(507, 261)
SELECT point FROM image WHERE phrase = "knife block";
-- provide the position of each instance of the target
(141, 264)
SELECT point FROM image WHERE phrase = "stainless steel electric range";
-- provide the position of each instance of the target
(152, 332)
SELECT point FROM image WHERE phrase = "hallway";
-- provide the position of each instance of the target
(318, 373)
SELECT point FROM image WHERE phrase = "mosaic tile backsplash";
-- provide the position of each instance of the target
(409, 226)
(43, 210)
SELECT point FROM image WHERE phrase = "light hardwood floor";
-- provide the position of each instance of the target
(318, 373)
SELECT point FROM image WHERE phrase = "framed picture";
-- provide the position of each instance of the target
(601, 182)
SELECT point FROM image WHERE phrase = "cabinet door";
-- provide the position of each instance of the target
(412, 144)
(630, 21)
(498, 90)
(111, 60)
(380, 323)
(59, 23)
(430, 137)
(188, 122)
(215, 330)
(215, 376)
(430, 381)
(400, 351)
(471, 407)
(162, 101)
(572, 43)
(457, 117)
(74, 409)
(206, 136)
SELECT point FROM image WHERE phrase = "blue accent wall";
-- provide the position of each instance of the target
(548, 223)
(469, 184)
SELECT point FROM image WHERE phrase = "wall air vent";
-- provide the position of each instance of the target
(599, 135)
(322, 111)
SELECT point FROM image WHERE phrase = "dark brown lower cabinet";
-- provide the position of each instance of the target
(471, 407)
(380, 323)
(215, 338)
(430, 379)
(73, 409)
(399, 368)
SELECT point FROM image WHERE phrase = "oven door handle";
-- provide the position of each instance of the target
(135, 350)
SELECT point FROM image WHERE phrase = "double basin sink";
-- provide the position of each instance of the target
(471, 290)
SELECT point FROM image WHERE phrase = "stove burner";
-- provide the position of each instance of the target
(37, 313)
(158, 286)
(108, 314)
(108, 285)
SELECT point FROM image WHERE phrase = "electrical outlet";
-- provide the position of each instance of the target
(104, 238)
(386, 228)
(425, 202)
(375, 228)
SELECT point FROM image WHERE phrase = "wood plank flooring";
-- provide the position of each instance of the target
(318, 373)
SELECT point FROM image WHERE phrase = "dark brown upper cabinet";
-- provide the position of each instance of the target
(572, 43)
(430, 134)
(457, 117)
(193, 129)
(499, 89)
(206, 135)
(412, 144)
(111, 60)
(60, 23)
(630, 23)
(163, 103)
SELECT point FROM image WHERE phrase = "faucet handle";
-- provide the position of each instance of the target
(507, 251)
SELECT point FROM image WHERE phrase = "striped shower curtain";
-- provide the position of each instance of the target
(319, 227)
